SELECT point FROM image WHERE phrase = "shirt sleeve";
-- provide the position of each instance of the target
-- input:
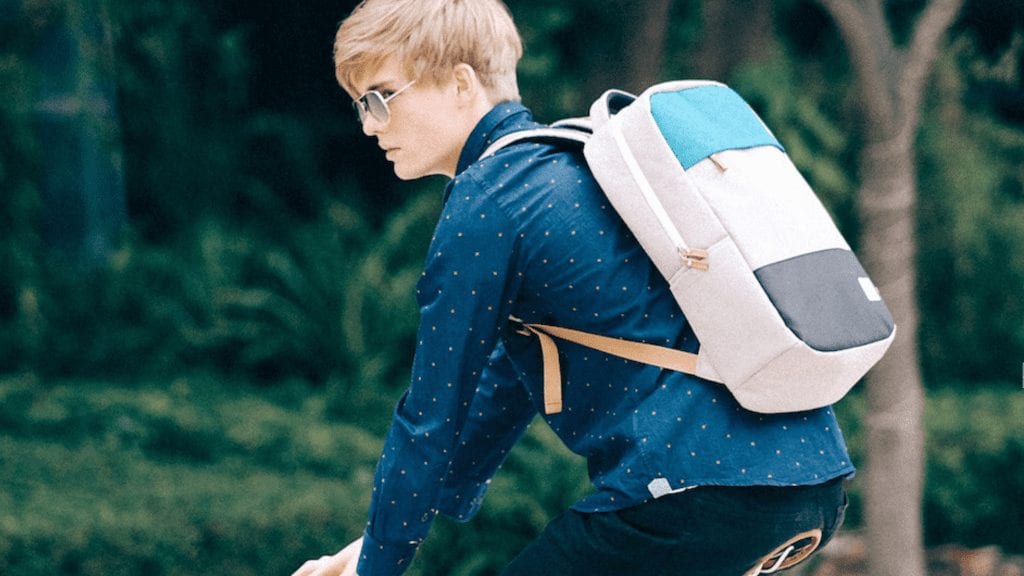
(500, 413)
(464, 295)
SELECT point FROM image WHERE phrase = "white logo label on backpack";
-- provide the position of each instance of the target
(869, 289)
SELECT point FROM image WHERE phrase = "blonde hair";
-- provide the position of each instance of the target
(429, 38)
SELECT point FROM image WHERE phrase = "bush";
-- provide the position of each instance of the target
(19, 240)
(975, 469)
(201, 475)
(971, 227)
(539, 480)
(195, 478)
(974, 457)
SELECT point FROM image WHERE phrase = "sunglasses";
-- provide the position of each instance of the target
(375, 104)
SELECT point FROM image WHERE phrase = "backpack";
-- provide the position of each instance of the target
(786, 316)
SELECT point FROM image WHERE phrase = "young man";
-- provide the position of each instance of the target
(686, 481)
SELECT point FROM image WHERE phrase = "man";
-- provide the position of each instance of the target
(686, 481)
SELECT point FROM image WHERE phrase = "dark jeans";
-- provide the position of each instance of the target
(705, 531)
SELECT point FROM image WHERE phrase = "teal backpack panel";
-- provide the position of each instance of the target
(702, 121)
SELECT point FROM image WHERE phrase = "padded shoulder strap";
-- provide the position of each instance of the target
(572, 133)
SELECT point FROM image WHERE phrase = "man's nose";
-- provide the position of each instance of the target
(372, 126)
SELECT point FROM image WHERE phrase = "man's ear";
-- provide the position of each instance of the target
(467, 83)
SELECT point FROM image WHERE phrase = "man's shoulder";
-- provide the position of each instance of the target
(529, 165)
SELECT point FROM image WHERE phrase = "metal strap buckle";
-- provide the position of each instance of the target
(519, 326)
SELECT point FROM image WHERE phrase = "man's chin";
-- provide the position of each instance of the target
(411, 173)
(405, 175)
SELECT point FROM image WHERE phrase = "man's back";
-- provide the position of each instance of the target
(564, 257)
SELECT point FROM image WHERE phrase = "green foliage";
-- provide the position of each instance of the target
(380, 318)
(192, 478)
(243, 254)
(974, 453)
(274, 309)
(851, 414)
(545, 74)
(971, 229)
(199, 476)
(20, 323)
(975, 449)
(539, 480)
(180, 101)
(264, 246)
(566, 66)
(249, 303)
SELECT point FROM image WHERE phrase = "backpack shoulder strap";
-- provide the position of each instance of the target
(573, 130)
(660, 356)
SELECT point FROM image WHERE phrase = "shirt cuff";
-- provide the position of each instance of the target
(379, 558)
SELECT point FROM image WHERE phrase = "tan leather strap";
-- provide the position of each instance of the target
(788, 554)
(659, 356)
(552, 371)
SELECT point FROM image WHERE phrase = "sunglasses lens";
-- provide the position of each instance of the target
(372, 104)
(376, 106)
(360, 109)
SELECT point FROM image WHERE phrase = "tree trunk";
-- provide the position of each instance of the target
(895, 434)
(734, 32)
(633, 58)
(890, 83)
(645, 42)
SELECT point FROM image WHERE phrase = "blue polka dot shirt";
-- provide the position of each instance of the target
(528, 233)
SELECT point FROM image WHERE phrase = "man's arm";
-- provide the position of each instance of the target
(500, 413)
(465, 295)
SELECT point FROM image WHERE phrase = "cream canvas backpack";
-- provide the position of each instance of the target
(786, 316)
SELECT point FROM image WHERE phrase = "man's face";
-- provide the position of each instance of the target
(424, 134)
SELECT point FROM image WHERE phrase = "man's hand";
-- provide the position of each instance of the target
(341, 564)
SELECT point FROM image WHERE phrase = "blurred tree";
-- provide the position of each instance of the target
(735, 32)
(971, 220)
(632, 49)
(75, 112)
(21, 324)
(890, 85)
(576, 49)
(182, 97)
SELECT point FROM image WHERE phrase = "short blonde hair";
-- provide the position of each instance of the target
(429, 38)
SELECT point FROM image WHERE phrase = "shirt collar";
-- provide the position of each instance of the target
(502, 119)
